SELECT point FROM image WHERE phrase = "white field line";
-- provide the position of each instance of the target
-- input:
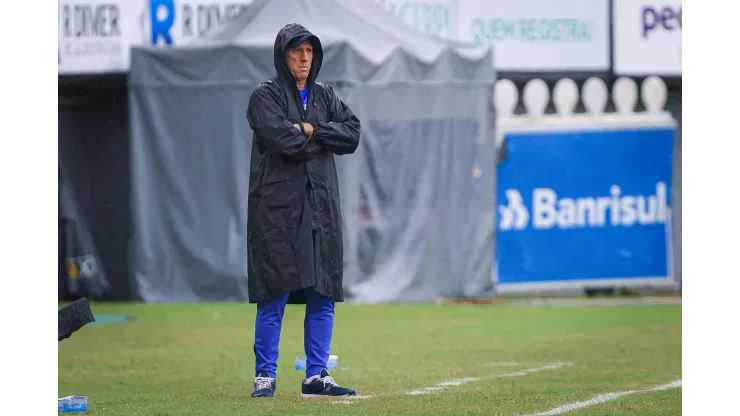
(454, 383)
(601, 398)
(443, 385)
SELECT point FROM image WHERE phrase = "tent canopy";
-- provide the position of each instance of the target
(362, 44)
(417, 196)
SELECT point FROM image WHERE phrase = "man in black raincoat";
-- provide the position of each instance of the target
(294, 232)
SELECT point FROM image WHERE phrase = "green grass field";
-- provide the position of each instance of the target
(197, 360)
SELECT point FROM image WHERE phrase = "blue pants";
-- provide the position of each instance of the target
(317, 331)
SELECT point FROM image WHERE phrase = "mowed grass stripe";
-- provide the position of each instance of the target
(197, 359)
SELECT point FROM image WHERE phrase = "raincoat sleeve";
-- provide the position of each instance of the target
(274, 131)
(342, 135)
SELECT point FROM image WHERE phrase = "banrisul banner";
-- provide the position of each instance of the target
(581, 207)
(539, 35)
(647, 37)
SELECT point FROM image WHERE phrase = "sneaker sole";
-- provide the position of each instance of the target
(324, 395)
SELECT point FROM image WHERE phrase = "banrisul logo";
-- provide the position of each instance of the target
(548, 211)
(514, 215)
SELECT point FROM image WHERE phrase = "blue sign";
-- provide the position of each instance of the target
(161, 24)
(179, 21)
(584, 205)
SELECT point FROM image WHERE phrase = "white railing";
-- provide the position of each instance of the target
(594, 94)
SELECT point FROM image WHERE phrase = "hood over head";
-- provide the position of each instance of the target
(290, 36)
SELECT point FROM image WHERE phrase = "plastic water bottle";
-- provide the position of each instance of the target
(72, 404)
(300, 363)
(332, 363)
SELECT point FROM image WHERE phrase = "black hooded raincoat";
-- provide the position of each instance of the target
(294, 231)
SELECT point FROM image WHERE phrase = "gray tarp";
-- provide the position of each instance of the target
(85, 273)
(417, 196)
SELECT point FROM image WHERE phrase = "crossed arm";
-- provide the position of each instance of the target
(342, 135)
(279, 135)
(273, 129)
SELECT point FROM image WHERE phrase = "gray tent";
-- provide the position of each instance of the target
(417, 196)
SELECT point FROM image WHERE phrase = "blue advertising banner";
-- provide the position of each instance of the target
(584, 206)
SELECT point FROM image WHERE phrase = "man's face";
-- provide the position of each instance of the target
(299, 60)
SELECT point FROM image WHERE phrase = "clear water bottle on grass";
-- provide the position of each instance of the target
(300, 363)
